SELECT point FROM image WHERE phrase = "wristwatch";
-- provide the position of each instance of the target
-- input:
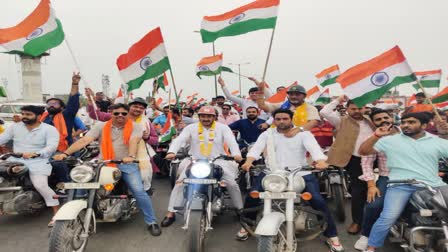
(301, 129)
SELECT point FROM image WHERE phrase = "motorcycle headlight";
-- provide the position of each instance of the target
(201, 169)
(82, 174)
(274, 183)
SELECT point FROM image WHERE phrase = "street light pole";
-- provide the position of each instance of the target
(239, 74)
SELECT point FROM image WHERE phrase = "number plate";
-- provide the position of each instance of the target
(200, 181)
(282, 195)
(81, 185)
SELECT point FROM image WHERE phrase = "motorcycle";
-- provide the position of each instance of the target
(423, 225)
(287, 217)
(17, 194)
(205, 196)
(95, 195)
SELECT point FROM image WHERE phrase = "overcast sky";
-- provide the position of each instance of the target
(310, 36)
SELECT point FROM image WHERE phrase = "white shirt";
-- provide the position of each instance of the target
(290, 151)
(223, 134)
(245, 103)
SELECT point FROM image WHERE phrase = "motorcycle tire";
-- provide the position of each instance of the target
(64, 236)
(338, 201)
(196, 231)
(173, 174)
(272, 244)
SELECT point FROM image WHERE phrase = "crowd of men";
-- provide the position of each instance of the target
(401, 144)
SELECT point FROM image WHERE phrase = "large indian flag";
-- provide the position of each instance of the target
(39, 32)
(261, 14)
(328, 76)
(145, 59)
(368, 81)
(428, 79)
(209, 66)
(440, 97)
(316, 96)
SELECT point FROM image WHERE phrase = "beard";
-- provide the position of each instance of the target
(29, 121)
(53, 110)
(252, 117)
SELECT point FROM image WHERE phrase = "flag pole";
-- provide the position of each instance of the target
(269, 55)
(430, 102)
(245, 76)
(216, 80)
(175, 89)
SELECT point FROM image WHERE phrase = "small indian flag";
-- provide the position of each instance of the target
(442, 106)
(368, 81)
(168, 130)
(440, 97)
(120, 97)
(145, 59)
(261, 14)
(412, 100)
(428, 79)
(316, 96)
(281, 95)
(328, 76)
(209, 66)
(39, 32)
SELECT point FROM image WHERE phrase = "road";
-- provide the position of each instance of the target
(22, 233)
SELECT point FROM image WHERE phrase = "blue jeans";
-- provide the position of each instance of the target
(60, 170)
(373, 209)
(132, 178)
(396, 199)
(318, 203)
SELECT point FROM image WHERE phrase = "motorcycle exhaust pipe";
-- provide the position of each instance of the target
(12, 188)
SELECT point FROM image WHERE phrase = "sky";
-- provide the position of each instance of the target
(310, 36)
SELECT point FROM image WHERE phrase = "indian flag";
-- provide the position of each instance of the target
(328, 76)
(368, 81)
(39, 32)
(428, 79)
(261, 14)
(440, 97)
(120, 97)
(442, 106)
(168, 130)
(316, 96)
(209, 66)
(412, 100)
(145, 59)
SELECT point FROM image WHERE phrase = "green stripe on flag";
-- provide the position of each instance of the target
(212, 73)
(428, 84)
(168, 135)
(440, 99)
(329, 81)
(239, 28)
(377, 93)
(151, 72)
(323, 100)
(3, 92)
(50, 40)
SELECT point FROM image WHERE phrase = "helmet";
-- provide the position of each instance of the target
(228, 104)
(139, 100)
(297, 88)
(207, 110)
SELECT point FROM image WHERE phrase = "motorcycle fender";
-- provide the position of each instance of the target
(197, 204)
(70, 210)
(334, 178)
(270, 224)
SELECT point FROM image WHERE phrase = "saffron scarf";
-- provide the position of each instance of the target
(107, 148)
(59, 124)
(211, 137)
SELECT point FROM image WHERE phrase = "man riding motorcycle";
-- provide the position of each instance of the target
(290, 152)
(119, 138)
(37, 142)
(207, 139)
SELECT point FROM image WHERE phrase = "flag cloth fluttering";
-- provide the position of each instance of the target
(328, 76)
(281, 95)
(168, 130)
(261, 14)
(440, 97)
(145, 59)
(314, 95)
(368, 81)
(36, 34)
(210, 66)
(428, 79)
(120, 97)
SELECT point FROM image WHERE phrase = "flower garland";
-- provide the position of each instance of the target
(211, 137)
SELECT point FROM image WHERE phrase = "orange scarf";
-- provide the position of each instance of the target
(106, 140)
(59, 124)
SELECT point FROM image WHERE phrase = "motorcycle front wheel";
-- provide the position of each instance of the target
(65, 236)
(275, 243)
(196, 231)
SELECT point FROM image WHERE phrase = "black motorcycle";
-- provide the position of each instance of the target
(205, 196)
(423, 225)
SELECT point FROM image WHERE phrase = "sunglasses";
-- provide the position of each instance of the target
(120, 113)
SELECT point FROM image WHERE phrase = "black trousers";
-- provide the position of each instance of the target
(358, 189)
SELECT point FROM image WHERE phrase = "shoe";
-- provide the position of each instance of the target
(361, 243)
(150, 192)
(167, 221)
(334, 244)
(242, 235)
(154, 229)
(354, 229)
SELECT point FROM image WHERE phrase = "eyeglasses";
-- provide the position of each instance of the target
(120, 113)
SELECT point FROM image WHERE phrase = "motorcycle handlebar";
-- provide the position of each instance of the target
(224, 157)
